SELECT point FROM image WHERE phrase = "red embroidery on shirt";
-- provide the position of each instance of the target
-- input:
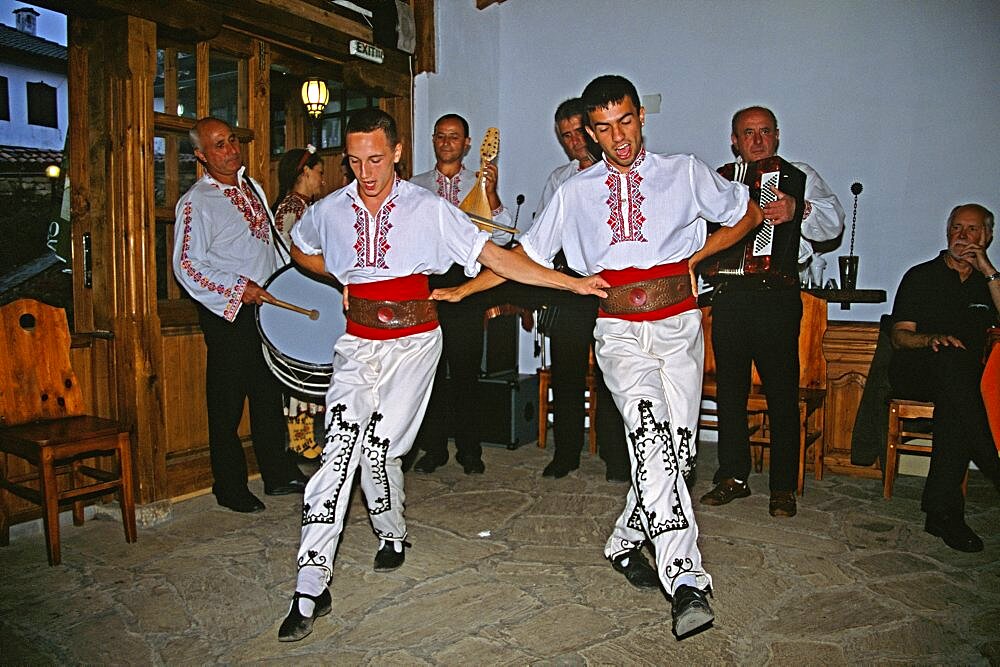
(626, 228)
(448, 190)
(234, 294)
(293, 204)
(251, 208)
(372, 248)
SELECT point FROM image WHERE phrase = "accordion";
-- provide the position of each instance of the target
(770, 253)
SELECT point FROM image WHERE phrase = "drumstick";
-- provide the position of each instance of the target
(313, 314)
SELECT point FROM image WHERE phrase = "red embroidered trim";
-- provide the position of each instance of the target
(622, 229)
(378, 242)
(234, 294)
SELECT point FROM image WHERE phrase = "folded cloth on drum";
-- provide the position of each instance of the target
(647, 295)
(380, 314)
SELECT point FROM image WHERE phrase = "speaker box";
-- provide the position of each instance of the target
(509, 414)
(500, 350)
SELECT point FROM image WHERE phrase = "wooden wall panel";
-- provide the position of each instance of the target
(186, 455)
(849, 348)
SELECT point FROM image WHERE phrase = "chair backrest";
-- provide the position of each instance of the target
(36, 379)
(812, 363)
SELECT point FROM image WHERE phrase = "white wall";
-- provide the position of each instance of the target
(17, 131)
(900, 95)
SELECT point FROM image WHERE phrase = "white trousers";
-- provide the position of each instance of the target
(376, 401)
(654, 371)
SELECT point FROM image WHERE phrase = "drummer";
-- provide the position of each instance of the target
(223, 251)
(381, 236)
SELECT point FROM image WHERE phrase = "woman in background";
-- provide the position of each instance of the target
(300, 183)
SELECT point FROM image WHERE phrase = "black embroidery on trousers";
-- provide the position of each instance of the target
(376, 449)
(679, 566)
(343, 435)
(314, 559)
(648, 435)
(684, 455)
(635, 520)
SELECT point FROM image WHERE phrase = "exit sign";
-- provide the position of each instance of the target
(366, 51)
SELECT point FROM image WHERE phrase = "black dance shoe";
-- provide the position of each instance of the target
(387, 558)
(690, 611)
(636, 569)
(296, 626)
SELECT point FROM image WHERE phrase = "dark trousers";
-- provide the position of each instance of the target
(759, 326)
(571, 338)
(235, 371)
(950, 378)
(454, 405)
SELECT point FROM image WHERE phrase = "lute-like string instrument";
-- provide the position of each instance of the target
(476, 204)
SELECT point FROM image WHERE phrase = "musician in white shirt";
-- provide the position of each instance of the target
(758, 322)
(223, 252)
(572, 335)
(453, 406)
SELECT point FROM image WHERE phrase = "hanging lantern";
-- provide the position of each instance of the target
(315, 96)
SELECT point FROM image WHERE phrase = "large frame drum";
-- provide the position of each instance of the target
(299, 350)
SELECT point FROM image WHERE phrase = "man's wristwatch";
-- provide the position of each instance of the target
(995, 276)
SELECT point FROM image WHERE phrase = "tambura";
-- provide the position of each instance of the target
(299, 350)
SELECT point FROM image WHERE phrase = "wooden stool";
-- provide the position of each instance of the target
(41, 410)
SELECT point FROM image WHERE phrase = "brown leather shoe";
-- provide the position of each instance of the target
(782, 503)
(726, 491)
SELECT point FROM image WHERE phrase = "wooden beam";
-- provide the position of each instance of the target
(189, 20)
(361, 75)
(426, 51)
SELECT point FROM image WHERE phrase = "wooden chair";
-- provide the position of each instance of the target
(909, 431)
(546, 406)
(812, 390)
(42, 422)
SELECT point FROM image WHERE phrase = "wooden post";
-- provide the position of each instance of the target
(112, 157)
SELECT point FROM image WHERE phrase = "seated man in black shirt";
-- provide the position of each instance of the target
(942, 311)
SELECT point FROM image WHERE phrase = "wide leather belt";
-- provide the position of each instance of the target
(646, 295)
(390, 314)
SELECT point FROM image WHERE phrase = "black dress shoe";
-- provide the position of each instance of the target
(690, 611)
(473, 467)
(782, 503)
(636, 569)
(387, 558)
(559, 469)
(248, 504)
(954, 531)
(430, 462)
(294, 486)
(296, 626)
(726, 491)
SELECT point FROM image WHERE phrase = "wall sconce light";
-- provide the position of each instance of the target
(52, 171)
(315, 96)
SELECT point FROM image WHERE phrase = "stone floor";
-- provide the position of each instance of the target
(506, 568)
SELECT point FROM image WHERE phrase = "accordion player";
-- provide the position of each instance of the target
(768, 254)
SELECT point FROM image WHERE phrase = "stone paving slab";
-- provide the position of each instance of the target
(507, 568)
